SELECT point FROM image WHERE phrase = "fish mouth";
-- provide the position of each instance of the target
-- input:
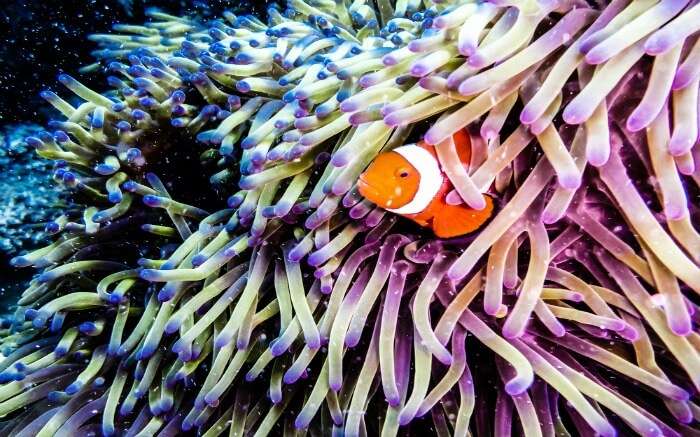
(367, 190)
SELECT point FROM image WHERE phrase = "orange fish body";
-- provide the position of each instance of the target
(410, 182)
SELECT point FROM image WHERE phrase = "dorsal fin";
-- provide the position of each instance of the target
(428, 147)
(463, 144)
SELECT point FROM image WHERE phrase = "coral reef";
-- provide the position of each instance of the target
(297, 306)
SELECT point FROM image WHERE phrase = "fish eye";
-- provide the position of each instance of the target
(403, 173)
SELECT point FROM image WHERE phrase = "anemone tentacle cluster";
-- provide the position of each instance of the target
(297, 306)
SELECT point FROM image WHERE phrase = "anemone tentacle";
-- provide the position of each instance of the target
(218, 269)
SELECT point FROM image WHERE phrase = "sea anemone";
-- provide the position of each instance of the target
(298, 306)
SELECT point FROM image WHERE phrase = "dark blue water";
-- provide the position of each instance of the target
(39, 39)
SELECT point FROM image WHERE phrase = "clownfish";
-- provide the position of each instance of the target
(409, 181)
